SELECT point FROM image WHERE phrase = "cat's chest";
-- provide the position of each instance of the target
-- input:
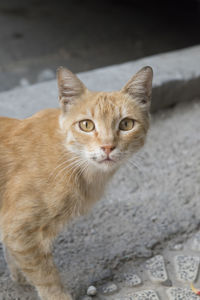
(76, 199)
(95, 188)
(74, 204)
(89, 194)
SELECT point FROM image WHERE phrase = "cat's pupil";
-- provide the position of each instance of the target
(86, 125)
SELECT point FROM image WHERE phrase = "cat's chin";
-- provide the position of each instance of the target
(106, 165)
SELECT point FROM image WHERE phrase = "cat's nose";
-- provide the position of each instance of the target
(108, 149)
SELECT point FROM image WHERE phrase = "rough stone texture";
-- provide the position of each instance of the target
(156, 269)
(187, 267)
(132, 280)
(144, 295)
(181, 294)
(109, 288)
(176, 78)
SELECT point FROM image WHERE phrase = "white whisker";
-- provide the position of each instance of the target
(60, 165)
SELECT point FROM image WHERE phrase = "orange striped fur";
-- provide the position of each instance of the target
(51, 170)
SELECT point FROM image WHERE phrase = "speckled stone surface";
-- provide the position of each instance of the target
(156, 269)
(132, 280)
(176, 293)
(144, 295)
(109, 288)
(187, 267)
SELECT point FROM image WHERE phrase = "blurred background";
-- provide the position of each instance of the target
(37, 36)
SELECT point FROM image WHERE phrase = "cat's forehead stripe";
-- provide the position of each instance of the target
(106, 105)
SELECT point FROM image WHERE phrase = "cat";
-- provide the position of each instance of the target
(56, 164)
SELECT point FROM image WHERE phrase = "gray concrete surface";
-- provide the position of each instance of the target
(153, 201)
(176, 78)
(84, 35)
(146, 209)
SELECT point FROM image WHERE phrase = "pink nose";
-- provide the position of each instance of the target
(107, 149)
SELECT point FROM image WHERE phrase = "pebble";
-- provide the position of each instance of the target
(154, 218)
(167, 283)
(91, 291)
(109, 289)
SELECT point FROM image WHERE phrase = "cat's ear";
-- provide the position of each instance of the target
(139, 87)
(70, 88)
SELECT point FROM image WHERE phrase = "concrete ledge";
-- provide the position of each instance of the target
(176, 78)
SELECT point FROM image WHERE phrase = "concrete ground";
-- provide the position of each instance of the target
(38, 36)
(151, 207)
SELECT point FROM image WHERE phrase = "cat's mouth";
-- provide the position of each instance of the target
(107, 160)
(105, 163)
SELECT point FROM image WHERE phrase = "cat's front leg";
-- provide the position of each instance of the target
(15, 273)
(37, 265)
(39, 269)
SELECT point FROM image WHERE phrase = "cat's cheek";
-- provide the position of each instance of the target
(82, 138)
(137, 144)
(69, 137)
(133, 138)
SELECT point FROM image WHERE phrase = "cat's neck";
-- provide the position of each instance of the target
(93, 183)
(97, 177)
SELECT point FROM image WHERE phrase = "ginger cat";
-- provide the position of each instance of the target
(55, 165)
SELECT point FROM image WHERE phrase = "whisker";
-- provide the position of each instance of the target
(139, 169)
(81, 171)
(68, 167)
(60, 165)
(74, 171)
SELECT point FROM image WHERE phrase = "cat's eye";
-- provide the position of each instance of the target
(86, 125)
(126, 124)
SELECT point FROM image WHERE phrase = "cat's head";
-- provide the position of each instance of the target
(104, 128)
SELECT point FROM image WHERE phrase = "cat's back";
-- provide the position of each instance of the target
(13, 130)
(7, 128)
(21, 140)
